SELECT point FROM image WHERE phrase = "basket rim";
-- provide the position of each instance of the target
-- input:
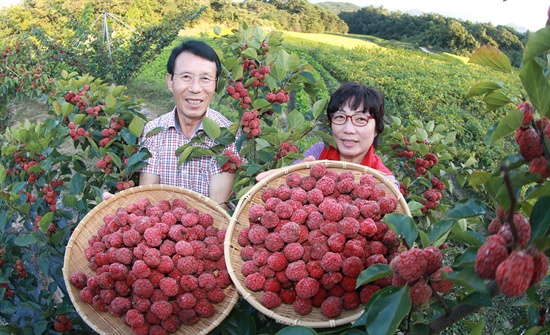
(232, 299)
(247, 198)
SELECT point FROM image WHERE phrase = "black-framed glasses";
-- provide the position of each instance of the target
(358, 119)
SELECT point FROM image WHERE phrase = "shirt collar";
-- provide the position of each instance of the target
(173, 122)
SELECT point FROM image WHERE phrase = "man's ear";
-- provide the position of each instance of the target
(169, 81)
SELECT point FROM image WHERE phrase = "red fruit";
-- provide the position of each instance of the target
(540, 261)
(434, 259)
(530, 144)
(332, 307)
(411, 264)
(523, 228)
(271, 300)
(489, 256)
(307, 288)
(514, 275)
(439, 284)
(420, 293)
(540, 165)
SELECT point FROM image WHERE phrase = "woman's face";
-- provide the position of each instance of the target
(353, 141)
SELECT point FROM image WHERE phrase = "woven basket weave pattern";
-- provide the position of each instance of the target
(285, 313)
(75, 260)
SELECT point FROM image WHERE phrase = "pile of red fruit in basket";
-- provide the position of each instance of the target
(156, 266)
(312, 237)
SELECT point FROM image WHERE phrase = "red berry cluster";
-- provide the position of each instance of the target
(21, 269)
(514, 267)
(8, 293)
(251, 124)
(77, 132)
(259, 74)
(79, 99)
(279, 97)
(286, 147)
(124, 185)
(50, 194)
(423, 164)
(63, 324)
(156, 266)
(421, 270)
(108, 134)
(239, 92)
(25, 163)
(530, 139)
(2, 261)
(233, 164)
(432, 196)
(311, 238)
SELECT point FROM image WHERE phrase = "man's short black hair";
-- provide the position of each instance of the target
(197, 48)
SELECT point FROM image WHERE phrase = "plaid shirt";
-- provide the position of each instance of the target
(193, 175)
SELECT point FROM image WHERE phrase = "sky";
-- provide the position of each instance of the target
(529, 14)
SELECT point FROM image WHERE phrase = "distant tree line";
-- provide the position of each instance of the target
(435, 31)
(58, 18)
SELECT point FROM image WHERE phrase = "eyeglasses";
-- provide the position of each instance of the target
(203, 80)
(358, 119)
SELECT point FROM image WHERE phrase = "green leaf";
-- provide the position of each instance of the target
(538, 43)
(253, 168)
(468, 236)
(238, 323)
(217, 30)
(386, 309)
(69, 200)
(296, 330)
(403, 226)
(136, 126)
(250, 53)
(2, 173)
(354, 331)
(477, 299)
(504, 127)
(77, 184)
(295, 119)
(467, 257)
(319, 107)
(495, 100)
(540, 218)
(44, 261)
(25, 240)
(46, 221)
(110, 101)
(439, 229)
(477, 329)
(278, 73)
(491, 57)
(482, 88)
(373, 273)
(466, 208)
(40, 327)
(211, 128)
(468, 278)
(536, 84)
(243, 191)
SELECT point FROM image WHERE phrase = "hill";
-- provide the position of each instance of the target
(339, 7)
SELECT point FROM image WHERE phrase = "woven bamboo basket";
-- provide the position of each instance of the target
(285, 313)
(75, 260)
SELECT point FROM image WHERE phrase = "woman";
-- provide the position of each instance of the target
(356, 114)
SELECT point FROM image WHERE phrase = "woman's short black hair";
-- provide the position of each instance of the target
(197, 48)
(354, 94)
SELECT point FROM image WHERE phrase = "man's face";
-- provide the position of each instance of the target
(193, 85)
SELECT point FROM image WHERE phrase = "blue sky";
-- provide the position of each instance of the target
(530, 14)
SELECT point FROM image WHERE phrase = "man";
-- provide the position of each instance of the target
(193, 72)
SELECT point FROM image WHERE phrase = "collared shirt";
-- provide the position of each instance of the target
(193, 175)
